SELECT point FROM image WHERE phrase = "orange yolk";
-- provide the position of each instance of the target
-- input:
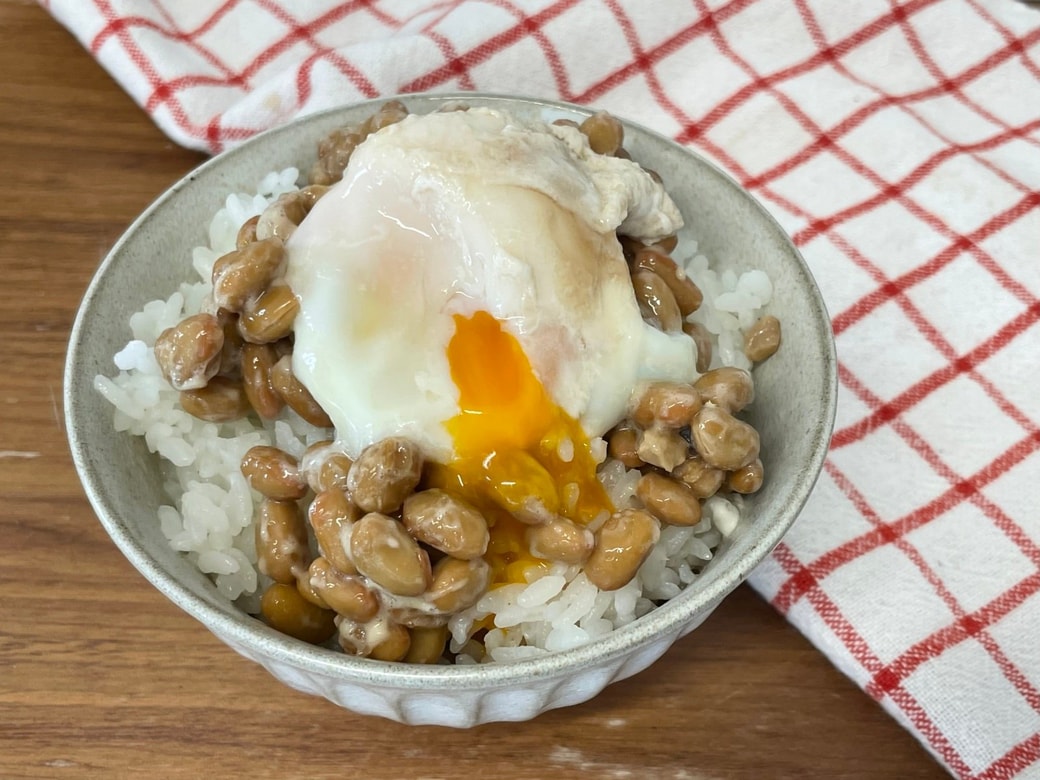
(517, 453)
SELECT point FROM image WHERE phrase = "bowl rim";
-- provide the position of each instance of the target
(665, 620)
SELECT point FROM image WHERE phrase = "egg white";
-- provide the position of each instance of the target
(459, 212)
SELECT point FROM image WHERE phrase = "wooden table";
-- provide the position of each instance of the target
(100, 676)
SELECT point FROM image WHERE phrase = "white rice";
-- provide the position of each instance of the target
(210, 514)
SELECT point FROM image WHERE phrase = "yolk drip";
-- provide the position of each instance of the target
(517, 453)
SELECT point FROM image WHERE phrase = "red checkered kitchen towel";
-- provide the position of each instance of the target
(897, 142)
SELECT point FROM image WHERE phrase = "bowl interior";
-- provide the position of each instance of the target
(793, 411)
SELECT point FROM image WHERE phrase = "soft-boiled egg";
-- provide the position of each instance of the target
(463, 286)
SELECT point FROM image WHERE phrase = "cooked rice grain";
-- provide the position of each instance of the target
(210, 517)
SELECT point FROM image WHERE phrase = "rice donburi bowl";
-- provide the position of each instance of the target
(558, 522)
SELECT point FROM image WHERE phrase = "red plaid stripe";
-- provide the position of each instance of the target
(899, 142)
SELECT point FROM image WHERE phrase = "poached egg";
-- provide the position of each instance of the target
(463, 286)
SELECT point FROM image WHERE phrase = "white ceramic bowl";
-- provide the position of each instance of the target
(793, 412)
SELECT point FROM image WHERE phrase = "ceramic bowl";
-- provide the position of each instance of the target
(793, 412)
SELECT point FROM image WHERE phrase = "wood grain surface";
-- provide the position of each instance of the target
(100, 676)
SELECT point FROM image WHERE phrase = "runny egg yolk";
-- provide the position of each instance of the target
(517, 453)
